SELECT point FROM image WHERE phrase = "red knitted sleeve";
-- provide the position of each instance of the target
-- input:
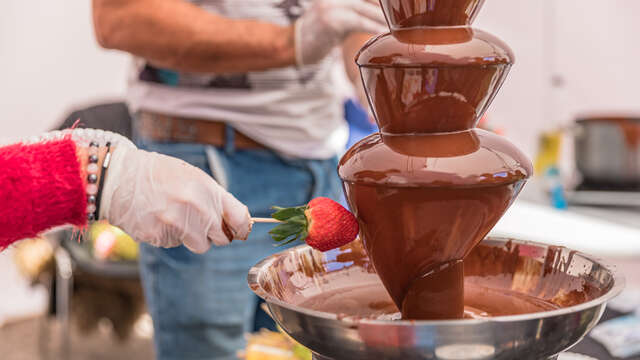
(41, 186)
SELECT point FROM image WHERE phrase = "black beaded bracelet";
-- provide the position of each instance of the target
(105, 167)
(92, 179)
(94, 190)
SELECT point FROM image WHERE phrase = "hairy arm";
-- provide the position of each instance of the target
(181, 36)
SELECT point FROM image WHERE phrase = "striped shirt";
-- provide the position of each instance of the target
(296, 111)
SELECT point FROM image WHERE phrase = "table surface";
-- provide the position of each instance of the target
(590, 347)
(629, 267)
(629, 216)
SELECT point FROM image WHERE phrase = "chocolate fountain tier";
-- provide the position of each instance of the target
(526, 300)
(434, 47)
(429, 80)
(460, 159)
(422, 203)
(411, 13)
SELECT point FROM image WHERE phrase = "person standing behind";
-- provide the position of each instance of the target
(243, 89)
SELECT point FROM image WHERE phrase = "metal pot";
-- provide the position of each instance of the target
(607, 150)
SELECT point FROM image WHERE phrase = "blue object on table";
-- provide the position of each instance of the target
(558, 198)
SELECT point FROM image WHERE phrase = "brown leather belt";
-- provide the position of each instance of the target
(163, 128)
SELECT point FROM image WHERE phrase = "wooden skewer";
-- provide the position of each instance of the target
(265, 220)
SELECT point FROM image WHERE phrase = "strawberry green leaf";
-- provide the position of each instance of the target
(286, 229)
(294, 224)
(287, 242)
(303, 235)
(300, 220)
(296, 238)
(284, 214)
(278, 238)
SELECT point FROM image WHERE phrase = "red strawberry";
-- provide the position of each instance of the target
(323, 224)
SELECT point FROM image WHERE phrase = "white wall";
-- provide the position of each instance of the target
(599, 55)
(520, 104)
(50, 62)
(592, 46)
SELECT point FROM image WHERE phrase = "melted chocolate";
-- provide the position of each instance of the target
(408, 231)
(411, 13)
(419, 83)
(466, 158)
(497, 282)
(373, 302)
(425, 200)
(515, 268)
(438, 294)
(429, 187)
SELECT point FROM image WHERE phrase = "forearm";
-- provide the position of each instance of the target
(181, 36)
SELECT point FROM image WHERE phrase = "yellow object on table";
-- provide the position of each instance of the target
(549, 148)
(33, 257)
(268, 345)
(111, 243)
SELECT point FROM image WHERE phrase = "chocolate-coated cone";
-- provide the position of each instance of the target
(410, 231)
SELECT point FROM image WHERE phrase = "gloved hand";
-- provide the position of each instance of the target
(166, 202)
(328, 22)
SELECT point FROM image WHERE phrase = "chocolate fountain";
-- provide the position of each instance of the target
(429, 186)
(426, 190)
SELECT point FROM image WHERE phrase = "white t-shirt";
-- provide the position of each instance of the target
(295, 111)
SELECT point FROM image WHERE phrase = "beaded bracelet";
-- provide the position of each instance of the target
(94, 189)
(92, 180)
(105, 167)
(90, 138)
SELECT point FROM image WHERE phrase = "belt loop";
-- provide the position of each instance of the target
(229, 139)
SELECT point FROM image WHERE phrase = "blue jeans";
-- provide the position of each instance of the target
(201, 304)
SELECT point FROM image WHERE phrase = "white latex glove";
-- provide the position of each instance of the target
(166, 202)
(328, 22)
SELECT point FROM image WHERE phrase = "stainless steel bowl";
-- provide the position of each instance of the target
(607, 150)
(286, 279)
